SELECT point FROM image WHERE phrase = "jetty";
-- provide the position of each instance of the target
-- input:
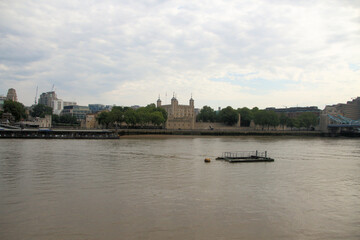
(58, 134)
(245, 156)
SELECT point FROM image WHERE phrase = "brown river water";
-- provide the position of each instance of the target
(160, 188)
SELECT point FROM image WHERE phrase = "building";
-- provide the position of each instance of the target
(78, 111)
(179, 116)
(57, 106)
(69, 103)
(50, 99)
(45, 122)
(293, 112)
(11, 95)
(91, 121)
(351, 109)
(94, 108)
(2, 101)
(47, 98)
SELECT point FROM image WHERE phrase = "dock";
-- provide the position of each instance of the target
(245, 156)
(58, 134)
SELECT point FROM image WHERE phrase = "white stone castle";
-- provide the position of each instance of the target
(179, 116)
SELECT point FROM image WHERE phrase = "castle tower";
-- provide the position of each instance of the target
(174, 101)
(191, 102)
(158, 103)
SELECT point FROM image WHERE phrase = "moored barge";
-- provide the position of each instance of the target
(245, 156)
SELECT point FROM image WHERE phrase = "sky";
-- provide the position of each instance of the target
(278, 53)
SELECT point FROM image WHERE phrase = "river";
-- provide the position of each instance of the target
(159, 187)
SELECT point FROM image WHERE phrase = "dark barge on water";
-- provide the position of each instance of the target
(58, 134)
(245, 156)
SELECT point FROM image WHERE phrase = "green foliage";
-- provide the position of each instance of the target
(55, 118)
(131, 118)
(229, 116)
(207, 114)
(291, 123)
(306, 120)
(41, 110)
(68, 119)
(117, 115)
(157, 118)
(15, 108)
(144, 116)
(283, 119)
(255, 109)
(105, 118)
(163, 113)
(246, 116)
(266, 118)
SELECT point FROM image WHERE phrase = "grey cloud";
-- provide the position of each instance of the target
(78, 44)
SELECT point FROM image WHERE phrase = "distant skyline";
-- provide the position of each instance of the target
(279, 53)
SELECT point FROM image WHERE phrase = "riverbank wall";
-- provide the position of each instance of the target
(218, 132)
(115, 134)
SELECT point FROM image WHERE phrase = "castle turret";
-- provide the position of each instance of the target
(191, 102)
(174, 101)
(158, 103)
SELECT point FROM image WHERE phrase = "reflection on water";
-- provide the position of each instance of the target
(160, 188)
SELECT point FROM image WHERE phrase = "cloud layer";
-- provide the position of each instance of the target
(238, 53)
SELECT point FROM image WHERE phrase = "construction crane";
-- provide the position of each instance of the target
(52, 89)
(36, 94)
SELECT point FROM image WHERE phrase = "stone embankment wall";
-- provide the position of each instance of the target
(217, 132)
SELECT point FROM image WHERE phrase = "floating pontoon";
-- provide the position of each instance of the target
(245, 156)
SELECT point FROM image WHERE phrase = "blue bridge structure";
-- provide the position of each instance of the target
(343, 124)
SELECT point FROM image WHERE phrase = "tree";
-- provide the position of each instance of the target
(291, 123)
(157, 118)
(255, 109)
(207, 114)
(40, 110)
(131, 117)
(104, 118)
(283, 120)
(68, 119)
(15, 108)
(260, 118)
(144, 115)
(55, 118)
(229, 116)
(246, 116)
(273, 119)
(266, 118)
(307, 120)
(163, 113)
(117, 115)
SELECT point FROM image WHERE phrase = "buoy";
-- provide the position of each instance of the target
(207, 160)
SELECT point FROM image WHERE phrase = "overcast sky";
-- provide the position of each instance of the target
(224, 53)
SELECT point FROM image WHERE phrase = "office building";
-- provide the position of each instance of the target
(78, 111)
(11, 95)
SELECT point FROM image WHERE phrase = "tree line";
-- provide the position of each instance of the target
(264, 118)
(141, 117)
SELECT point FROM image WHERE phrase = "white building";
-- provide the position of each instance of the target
(57, 106)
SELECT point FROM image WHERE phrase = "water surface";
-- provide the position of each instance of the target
(160, 188)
